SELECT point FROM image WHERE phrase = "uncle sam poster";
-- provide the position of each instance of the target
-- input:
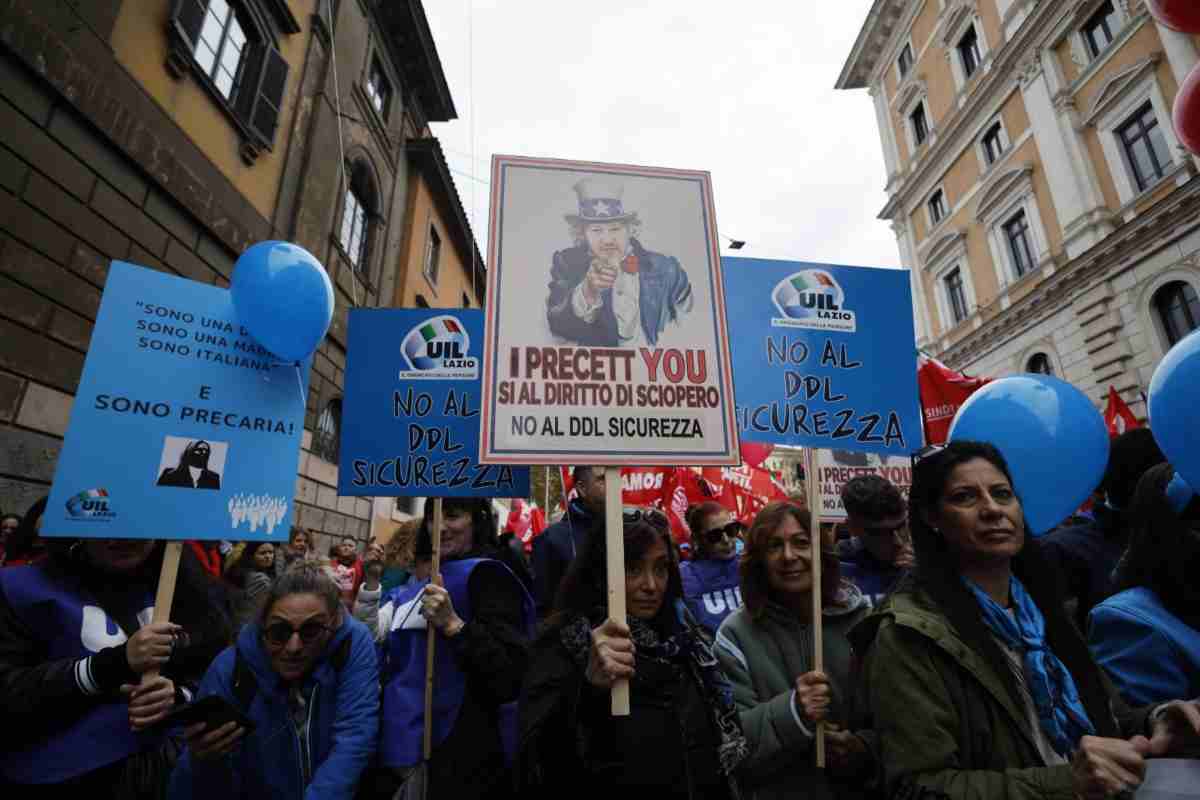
(605, 339)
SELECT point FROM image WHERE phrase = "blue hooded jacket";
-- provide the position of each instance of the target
(343, 726)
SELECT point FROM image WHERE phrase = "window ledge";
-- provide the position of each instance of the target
(1094, 66)
(354, 271)
(1180, 173)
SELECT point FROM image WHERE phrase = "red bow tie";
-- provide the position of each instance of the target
(630, 264)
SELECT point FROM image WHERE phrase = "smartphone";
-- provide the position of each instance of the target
(214, 711)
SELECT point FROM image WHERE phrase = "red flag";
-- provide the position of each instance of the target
(675, 503)
(644, 486)
(754, 454)
(519, 520)
(1117, 415)
(568, 487)
(943, 391)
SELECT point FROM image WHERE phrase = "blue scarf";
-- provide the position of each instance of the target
(1060, 711)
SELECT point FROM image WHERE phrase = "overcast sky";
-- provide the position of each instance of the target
(743, 90)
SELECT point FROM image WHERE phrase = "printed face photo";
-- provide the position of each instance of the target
(607, 240)
(191, 463)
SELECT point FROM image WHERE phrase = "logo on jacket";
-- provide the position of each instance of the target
(812, 299)
(439, 349)
(91, 504)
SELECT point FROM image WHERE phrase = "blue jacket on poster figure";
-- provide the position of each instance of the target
(1151, 655)
(272, 761)
(664, 293)
(711, 590)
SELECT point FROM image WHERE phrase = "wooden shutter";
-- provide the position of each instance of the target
(187, 19)
(263, 116)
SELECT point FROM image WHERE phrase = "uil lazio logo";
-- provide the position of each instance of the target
(91, 504)
(812, 299)
(438, 349)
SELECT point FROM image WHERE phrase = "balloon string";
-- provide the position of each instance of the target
(299, 385)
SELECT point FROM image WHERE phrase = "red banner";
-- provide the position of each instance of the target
(943, 391)
(1118, 416)
(526, 521)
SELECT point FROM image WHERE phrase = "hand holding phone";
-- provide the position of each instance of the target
(205, 743)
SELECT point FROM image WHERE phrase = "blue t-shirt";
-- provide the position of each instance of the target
(711, 590)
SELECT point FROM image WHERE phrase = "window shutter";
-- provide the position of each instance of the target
(272, 80)
(187, 20)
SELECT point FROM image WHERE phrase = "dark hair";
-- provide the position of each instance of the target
(297, 531)
(584, 589)
(756, 587)
(236, 574)
(1130, 455)
(696, 514)
(582, 473)
(938, 575)
(20, 543)
(1163, 552)
(872, 497)
(302, 577)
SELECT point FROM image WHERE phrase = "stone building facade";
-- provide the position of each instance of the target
(1035, 184)
(175, 133)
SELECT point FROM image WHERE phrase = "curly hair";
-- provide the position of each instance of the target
(578, 230)
(756, 587)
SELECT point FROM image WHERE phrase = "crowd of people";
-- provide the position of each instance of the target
(962, 657)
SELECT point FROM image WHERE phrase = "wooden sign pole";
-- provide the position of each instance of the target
(814, 509)
(435, 576)
(614, 532)
(166, 592)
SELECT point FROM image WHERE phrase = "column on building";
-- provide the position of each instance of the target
(923, 325)
(887, 135)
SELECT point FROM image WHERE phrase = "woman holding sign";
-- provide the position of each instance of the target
(980, 684)
(766, 649)
(75, 639)
(682, 737)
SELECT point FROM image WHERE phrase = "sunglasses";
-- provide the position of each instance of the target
(715, 535)
(280, 633)
(631, 515)
(926, 452)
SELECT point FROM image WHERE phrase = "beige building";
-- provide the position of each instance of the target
(1035, 184)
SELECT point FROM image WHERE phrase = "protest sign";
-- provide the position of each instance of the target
(837, 467)
(183, 426)
(606, 340)
(824, 355)
(410, 417)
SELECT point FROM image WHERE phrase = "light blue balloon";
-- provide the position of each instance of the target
(1174, 418)
(1051, 435)
(283, 296)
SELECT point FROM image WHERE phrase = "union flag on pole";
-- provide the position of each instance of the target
(1117, 416)
(943, 391)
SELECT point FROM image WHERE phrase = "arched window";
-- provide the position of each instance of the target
(329, 432)
(358, 213)
(1178, 310)
(1039, 363)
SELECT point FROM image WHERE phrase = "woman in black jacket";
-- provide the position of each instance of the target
(75, 640)
(682, 737)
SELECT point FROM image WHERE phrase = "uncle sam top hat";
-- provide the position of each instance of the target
(599, 201)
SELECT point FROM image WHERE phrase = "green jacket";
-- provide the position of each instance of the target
(946, 725)
(762, 659)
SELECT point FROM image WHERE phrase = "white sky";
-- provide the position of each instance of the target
(743, 90)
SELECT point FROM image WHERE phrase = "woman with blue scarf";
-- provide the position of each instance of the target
(980, 684)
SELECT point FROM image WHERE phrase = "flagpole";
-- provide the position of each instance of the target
(814, 511)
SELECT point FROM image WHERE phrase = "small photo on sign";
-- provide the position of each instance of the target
(192, 463)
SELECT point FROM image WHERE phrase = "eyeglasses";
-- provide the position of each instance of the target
(280, 633)
(885, 531)
(715, 535)
(631, 515)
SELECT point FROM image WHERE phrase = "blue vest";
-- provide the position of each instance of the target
(711, 589)
(404, 653)
(71, 625)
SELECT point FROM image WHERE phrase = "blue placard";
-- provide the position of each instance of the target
(410, 417)
(183, 426)
(823, 356)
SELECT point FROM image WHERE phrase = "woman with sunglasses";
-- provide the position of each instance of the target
(682, 738)
(305, 675)
(766, 649)
(710, 580)
(980, 684)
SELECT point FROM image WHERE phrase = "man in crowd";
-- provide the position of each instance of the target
(559, 544)
(711, 584)
(879, 549)
(1086, 554)
(347, 570)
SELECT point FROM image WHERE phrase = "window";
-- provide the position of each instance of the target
(993, 143)
(968, 51)
(920, 125)
(905, 62)
(1039, 363)
(433, 253)
(937, 207)
(378, 89)
(955, 295)
(422, 302)
(1100, 29)
(466, 301)
(1145, 147)
(356, 217)
(327, 436)
(1016, 233)
(1178, 310)
(236, 60)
